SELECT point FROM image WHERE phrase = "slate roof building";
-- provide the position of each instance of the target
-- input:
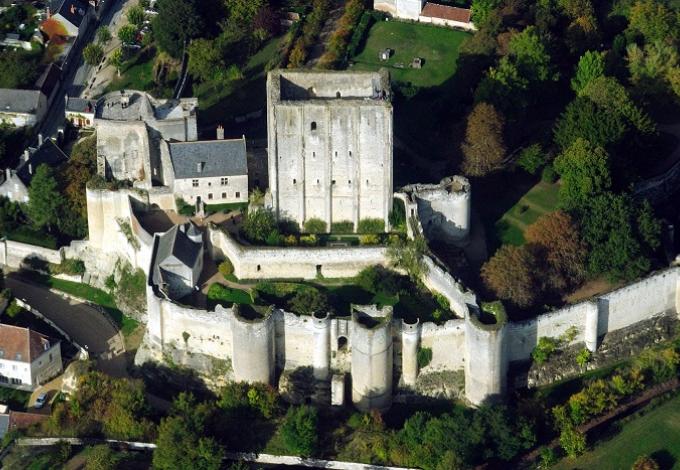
(178, 260)
(72, 15)
(27, 358)
(22, 108)
(80, 112)
(14, 183)
(214, 171)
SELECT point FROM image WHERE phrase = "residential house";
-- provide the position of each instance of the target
(68, 18)
(14, 183)
(27, 358)
(178, 260)
(80, 112)
(22, 108)
(214, 171)
(49, 82)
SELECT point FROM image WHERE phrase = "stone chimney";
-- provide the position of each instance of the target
(8, 173)
(220, 132)
(40, 140)
(26, 155)
(30, 168)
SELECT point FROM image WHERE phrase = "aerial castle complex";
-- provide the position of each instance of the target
(330, 158)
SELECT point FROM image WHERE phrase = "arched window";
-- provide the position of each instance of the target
(338, 95)
(313, 126)
(342, 343)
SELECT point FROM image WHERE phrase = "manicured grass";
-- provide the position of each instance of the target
(437, 47)
(539, 200)
(97, 296)
(137, 74)
(226, 296)
(655, 433)
(25, 234)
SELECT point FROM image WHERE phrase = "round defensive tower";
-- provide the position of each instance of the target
(371, 363)
(321, 359)
(253, 354)
(486, 363)
(460, 197)
(410, 338)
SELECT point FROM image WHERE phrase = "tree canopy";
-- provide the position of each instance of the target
(45, 198)
(585, 172)
(483, 148)
(177, 22)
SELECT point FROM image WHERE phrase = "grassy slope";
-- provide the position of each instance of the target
(538, 201)
(656, 433)
(438, 47)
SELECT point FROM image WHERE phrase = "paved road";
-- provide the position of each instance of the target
(85, 324)
(73, 79)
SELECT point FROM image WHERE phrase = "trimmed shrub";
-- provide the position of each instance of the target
(184, 208)
(342, 227)
(532, 159)
(226, 268)
(309, 240)
(424, 357)
(370, 239)
(545, 347)
(398, 215)
(371, 226)
(549, 175)
(315, 226)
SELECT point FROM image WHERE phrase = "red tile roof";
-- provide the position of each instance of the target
(21, 344)
(20, 420)
(445, 12)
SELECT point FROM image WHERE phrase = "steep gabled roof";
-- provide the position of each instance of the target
(176, 245)
(209, 158)
(19, 101)
(49, 79)
(21, 344)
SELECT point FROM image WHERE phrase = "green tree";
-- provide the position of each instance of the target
(504, 87)
(408, 255)
(590, 66)
(654, 21)
(177, 22)
(244, 11)
(74, 174)
(103, 35)
(617, 250)
(20, 69)
(179, 445)
(481, 10)
(585, 172)
(532, 158)
(655, 69)
(206, 59)
(116, 60)
(308, 300)
(299, 430)
(135, 15)
(531, 56)
(45, 200)
(258, 225)
(127, 34)
(584, 119)
(101, 457)
(483, 148)
(572, 441)
(93, 53)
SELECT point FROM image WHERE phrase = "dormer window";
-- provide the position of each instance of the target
(18, 357)
(200, 166)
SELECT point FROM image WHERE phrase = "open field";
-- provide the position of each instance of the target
(437, 47)
(655, 433)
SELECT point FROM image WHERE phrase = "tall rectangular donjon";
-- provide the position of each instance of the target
(330, 146)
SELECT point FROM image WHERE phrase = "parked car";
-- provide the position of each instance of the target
(41, 400)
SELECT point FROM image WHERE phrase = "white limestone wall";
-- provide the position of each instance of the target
(486, 364)
(253, 353)
(13, 254)
(523, 336)
(293, 262)
(446, 23)
(409, 9)
(628, 305)
(440, 281)
(447, 343)
(294, 340)
(212, 191)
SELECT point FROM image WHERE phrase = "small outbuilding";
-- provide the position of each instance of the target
(385, 54)
(417, 63)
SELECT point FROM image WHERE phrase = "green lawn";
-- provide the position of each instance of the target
(137, 74)
(539, 200)
(226, 207)
(437, 47)
(226, 296)
(655, 433)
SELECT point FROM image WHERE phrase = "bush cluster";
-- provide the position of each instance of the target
(375, 226)
(337, 45)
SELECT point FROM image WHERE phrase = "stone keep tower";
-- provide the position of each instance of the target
(330, 146)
